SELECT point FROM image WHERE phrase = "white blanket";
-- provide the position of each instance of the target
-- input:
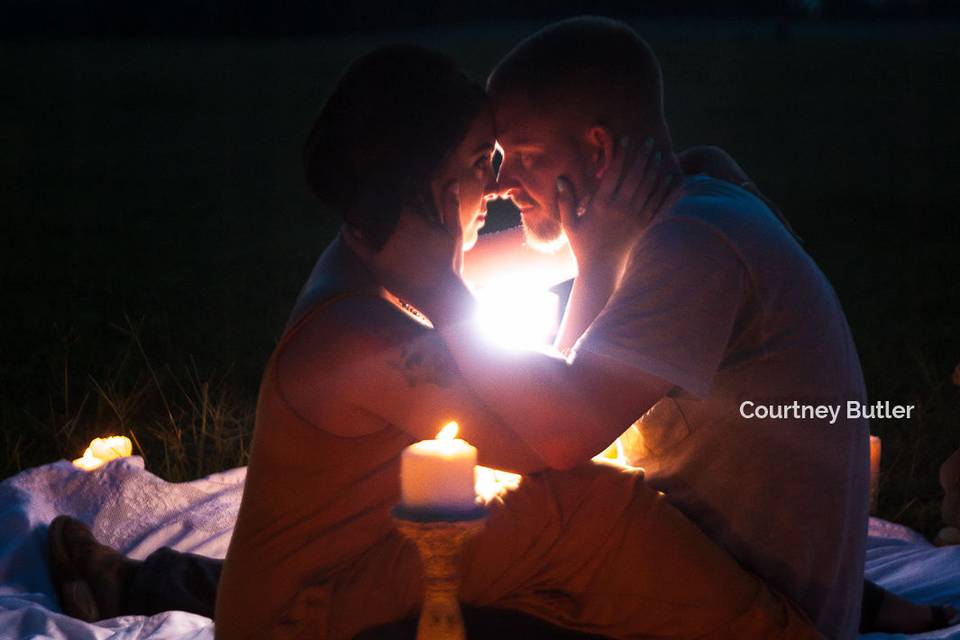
(137, 512)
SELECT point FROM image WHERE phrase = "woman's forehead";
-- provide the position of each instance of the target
(480, 135)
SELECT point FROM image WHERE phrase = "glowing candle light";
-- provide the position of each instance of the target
(495, 483)
(103, 450)
(439, 475)
(518, 317)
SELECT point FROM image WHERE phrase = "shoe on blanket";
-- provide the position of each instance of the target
(90, 578)
(943, 616)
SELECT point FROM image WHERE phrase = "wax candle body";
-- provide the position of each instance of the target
(438, 475)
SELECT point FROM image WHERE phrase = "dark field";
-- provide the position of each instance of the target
(156, 228)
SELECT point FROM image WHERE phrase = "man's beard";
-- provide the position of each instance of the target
(545, 234)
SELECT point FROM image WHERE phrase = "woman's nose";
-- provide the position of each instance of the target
(506, 179)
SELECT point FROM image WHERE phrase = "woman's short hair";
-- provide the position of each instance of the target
(391, 120)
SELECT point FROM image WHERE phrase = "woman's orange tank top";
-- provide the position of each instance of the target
(312, 504)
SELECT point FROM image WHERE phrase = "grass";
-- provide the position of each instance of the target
(183, 424)
(913, 451)
(159, 180)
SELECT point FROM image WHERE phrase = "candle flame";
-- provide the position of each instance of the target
(449, 431)
(493, 483)
(104, 450)
(628, 447)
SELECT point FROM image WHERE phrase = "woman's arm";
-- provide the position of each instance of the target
(365, 356)
(717, 163)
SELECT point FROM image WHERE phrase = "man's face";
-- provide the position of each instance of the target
(538, 147)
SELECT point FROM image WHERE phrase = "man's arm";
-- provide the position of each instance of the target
(632, 191)
(365, 354)
(590, 293)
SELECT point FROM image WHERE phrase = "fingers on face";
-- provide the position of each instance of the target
(566, 203)
(643, 170)
(449, 201)
(659, 193)
(613, 176)
(451, 209)
(640, 181)
(653, 200)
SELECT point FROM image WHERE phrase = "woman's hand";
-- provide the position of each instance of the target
(717, 163)
(633, 189)
(713, 161)
(421, 257)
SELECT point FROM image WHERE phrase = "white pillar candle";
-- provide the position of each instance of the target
(438, 475)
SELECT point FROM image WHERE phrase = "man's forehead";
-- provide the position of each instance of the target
(520, 122)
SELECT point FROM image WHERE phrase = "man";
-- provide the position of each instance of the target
(710, 307)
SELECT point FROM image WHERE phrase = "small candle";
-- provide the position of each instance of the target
(875, 449)
(439, 475)
(103, 450)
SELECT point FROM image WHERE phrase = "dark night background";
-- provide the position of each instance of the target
(155, 227)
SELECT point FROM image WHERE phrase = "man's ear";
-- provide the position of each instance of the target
(603, 145)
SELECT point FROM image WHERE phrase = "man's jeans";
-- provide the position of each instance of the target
(169, 580)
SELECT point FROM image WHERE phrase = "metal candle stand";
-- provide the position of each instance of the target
(439, 537)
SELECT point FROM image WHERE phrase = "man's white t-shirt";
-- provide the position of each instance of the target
(719, 299)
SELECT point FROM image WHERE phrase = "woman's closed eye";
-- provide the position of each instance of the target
(483, 164)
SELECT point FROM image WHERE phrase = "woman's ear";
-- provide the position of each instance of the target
(603, 144)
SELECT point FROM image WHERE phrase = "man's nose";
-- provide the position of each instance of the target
(491, 189)
(507, 178)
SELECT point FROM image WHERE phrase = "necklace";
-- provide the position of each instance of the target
(412, 311)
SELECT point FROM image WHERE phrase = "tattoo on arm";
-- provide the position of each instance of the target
(422, 358)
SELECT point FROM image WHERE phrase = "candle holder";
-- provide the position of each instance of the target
(875, 451)
(439, 537)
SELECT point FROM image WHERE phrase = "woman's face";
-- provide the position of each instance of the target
(471, 166)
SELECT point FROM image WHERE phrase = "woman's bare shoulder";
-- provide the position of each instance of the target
(335, 349)
(345, 327)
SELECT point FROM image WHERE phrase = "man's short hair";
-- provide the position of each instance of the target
(391, 120)
(597, 63)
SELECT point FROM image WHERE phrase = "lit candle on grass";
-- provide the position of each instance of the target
(439, 475)
(103, 450)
